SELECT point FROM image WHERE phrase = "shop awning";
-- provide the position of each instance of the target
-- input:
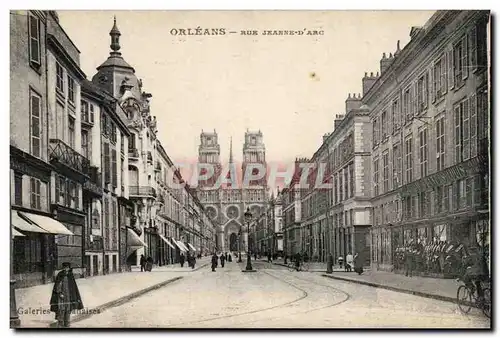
(134, 240)
(48, 224)
(23, 224)
(192, 247)
(179, 245)
(16, 233)
(167, 241)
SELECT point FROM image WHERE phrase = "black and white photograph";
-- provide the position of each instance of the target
(250, 169)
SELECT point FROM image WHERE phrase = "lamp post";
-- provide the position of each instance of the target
(239, 247)
(248, 219)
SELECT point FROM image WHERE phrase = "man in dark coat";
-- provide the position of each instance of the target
(222, 260)
(143, 263)
(229, 257)
(65, 296)
(214, 261)
(193, 262)
(358, 263)
(149, 264)
(182, 259)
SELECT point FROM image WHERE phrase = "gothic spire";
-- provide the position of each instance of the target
(231, 150)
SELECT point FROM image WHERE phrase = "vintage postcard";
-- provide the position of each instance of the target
(250, 169)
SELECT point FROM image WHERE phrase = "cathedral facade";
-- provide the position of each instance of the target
(227, 203)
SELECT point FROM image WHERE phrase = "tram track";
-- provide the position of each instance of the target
(287, 305)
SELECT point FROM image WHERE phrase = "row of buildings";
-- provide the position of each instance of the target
(89, 178)
(409, 157)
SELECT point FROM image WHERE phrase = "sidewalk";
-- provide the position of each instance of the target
(98, 293)
(200, 263)
(435, 288)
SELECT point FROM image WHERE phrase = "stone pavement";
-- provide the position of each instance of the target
(436, 288)
(97, 293)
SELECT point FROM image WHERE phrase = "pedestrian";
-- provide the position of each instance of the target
(349, 260)
(229, 258)
(214, 261)
(225, 256)
(182, 259)
(358, 263)
(329, 263)
(143, 263)
(255, 255)
(269, 257)
(193, 262)
(65, 296)
(222, 260)
(149, 264)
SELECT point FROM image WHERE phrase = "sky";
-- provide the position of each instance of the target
(236, 82)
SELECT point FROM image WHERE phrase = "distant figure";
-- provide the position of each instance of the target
(225, 256)
(269, 258)
(65, 296)
(255, 255)
(349, 262)
(358, 264)
(329, 263)
(182, 259)
(214, 261)
(149, 264)
(222, 260)
(143, 263)
(193, 262)
(229, 258)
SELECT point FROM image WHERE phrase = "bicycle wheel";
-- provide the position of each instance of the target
(486, 306)
(464, 298)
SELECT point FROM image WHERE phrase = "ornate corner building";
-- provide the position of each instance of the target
(225, 195)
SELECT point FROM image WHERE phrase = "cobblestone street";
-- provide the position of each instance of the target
(274, 297)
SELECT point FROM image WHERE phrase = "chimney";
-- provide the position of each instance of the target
(325, 137)
(338, 120)
(352, 102)
(368, 82)
(385, 62)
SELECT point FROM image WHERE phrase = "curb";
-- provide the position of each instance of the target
(117, 302)
(396, 289)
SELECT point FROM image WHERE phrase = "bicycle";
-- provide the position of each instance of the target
(467, 293)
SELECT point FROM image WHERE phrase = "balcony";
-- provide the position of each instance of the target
(141, 191)
(94, 184)
(133, 153)
(66, 158)
(95, 245)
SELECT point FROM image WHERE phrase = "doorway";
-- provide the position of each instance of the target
(233, 242)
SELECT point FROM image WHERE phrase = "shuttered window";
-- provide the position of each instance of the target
(34, 37)
(35, 112)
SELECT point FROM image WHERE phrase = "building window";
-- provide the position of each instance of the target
(351, 179)
(409, 159)
(440, 143)
(346, 183)
(385, 166)
(18, 189)
(440, 86)
(341, 187)
(384, 125)
(85, 143)
(375, 176)
(460, 61)
(335, 189)
(71, 90)
(462, 131)
(107, 164)
(423, 152)
(73, 193)
(422, 93)
(439, 232)
(59, 78)
(34, 36)
(376, 131)
(407, 109)
(396, 166)
(482, 48)
(423, 209)
(468, 191)
(71, 131)
(114, 169)
(482, 113)
(35, 112)
(35, 193)
(396, 118)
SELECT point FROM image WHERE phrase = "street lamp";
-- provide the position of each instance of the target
(239, 247)
(248, 219)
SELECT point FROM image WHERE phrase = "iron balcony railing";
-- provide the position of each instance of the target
(133, 153)
(61, 153)
(139, 191)
(94, 184)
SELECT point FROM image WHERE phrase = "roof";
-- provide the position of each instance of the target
(116, 60)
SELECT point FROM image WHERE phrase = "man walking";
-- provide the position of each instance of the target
(65, 296)
(143, 263)
(222, 260)
(214, 261)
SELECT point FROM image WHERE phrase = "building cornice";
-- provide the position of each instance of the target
(68, 60)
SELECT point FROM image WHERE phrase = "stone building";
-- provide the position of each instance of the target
(225, 197)
(430, 115)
